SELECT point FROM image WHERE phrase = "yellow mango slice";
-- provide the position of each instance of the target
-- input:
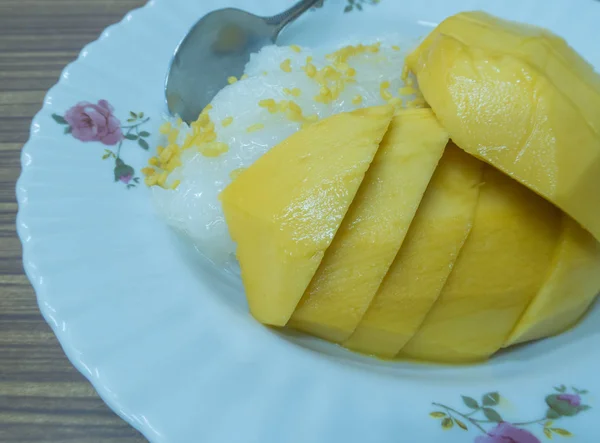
(518, 111)
(283, 211)
(419, 272)
(570, 287)
(546, 52)
(499, 270)
(374, 228)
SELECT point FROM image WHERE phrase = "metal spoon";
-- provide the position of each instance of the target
(217, 47)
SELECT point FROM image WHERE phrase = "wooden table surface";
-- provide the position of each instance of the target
(42, 397)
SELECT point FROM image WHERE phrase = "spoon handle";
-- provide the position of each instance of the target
(279, 21)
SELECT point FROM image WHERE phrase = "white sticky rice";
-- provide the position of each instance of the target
(193, 207)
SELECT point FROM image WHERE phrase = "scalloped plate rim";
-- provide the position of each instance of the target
(29, 262)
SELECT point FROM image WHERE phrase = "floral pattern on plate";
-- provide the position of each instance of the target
(358, 4)
(484, 416)
(89, 122)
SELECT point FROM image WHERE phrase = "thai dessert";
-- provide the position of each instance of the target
(436, 204)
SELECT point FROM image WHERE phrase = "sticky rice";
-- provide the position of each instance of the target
(282, 90)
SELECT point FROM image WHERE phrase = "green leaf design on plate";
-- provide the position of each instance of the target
(470, 402)
(359, 4)
(548, 434)
(131, 137)
(561, 432)
(59, 119)
(492, 415)
(461, 424)
(437, 414)
(68, 130)
(144, 144)
(561, 388)
(447, 423)
(144, 134)
(133, 114)
(490, 399)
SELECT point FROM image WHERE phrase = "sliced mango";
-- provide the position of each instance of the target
(283, 211)
(419, 272)
(570, 287)
(499, 270)
(523, 101)
(374, 227)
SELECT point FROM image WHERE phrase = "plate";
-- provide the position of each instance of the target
(166, 339)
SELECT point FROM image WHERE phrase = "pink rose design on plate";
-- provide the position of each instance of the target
(506, 433)
(94, 123)
(90, 122)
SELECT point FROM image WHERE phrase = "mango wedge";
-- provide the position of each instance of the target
(570, 288)
(419, 272)
(500, 269)
(283, 211)
(523, 101)
(374, 227)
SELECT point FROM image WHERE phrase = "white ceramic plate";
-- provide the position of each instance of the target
(167, 340)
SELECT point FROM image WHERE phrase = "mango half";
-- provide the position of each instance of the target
(519, 98)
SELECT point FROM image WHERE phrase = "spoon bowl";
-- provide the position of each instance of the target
(217, 47)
